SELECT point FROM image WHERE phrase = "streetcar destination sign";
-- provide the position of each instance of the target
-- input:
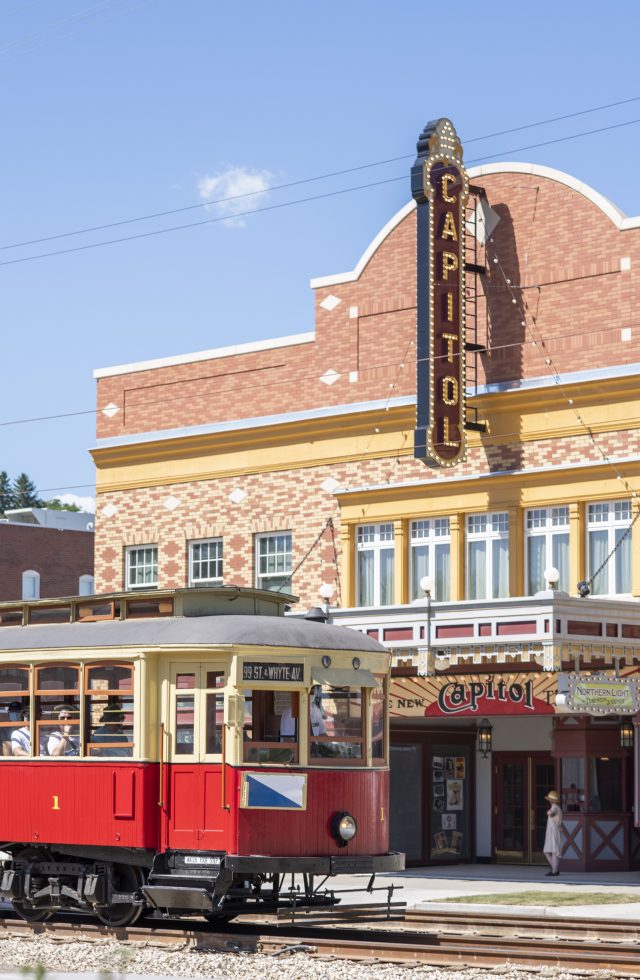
(293, 673)
(440, 186)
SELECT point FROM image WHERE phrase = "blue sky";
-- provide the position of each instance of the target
(121, 108)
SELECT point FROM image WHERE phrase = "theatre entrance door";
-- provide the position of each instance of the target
(520, 783)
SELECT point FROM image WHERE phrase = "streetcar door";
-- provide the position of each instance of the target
(192, 750)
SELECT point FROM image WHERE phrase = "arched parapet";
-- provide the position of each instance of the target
(615, 215)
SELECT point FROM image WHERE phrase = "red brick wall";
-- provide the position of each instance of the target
(561, 253)
(60, 557)
(562, 256)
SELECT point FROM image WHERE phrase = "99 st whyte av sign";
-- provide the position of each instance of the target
(440, 186)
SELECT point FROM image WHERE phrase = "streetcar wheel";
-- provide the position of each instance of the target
(26, 911)
(30, 914)
(218, 919)
(128, 879)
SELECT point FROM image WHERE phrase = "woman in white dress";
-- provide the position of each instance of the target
(553, 836)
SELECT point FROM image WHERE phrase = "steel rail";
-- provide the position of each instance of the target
(429, 947)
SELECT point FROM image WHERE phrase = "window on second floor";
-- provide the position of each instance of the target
(30, 585)
(273, 561)
(86, 585)
(488, 556)
(142, 567)
(430, 552)
(205, 562)
(547, 545)
(607, 529)
(374, 564)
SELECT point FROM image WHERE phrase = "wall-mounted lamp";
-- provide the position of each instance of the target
(583, 589)
(626, 733)
(485, 737)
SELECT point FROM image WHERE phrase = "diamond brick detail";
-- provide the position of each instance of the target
(171, 503)
(329, 485)
(330, 377)
(237, 496)
(110, 410)
(109, 510)
(330, 302)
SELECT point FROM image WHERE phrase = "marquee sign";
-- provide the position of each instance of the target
(440, 186)
(452, 695)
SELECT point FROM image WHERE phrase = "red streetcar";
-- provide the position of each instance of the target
(185, 751)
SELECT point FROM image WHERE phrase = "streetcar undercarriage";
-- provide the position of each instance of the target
(40, 881)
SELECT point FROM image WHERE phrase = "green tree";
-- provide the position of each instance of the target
(25, 493)
(56, 504)
(6, 492)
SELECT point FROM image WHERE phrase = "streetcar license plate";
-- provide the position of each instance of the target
(196, 859)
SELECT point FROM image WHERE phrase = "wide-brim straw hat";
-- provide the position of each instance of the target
(552, 797)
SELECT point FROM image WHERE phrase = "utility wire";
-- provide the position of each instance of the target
(158, 403)
(308, 180)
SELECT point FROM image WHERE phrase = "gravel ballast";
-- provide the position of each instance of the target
(123, 961)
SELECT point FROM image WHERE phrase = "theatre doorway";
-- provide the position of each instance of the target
(521, 780)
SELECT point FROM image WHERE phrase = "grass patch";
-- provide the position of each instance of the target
(549, 898)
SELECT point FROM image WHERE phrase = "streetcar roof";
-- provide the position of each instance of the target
(271, 631)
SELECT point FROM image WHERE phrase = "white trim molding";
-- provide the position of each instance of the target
(207, 355)
(619, 219)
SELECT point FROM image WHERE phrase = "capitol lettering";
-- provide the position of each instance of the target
(456, 697)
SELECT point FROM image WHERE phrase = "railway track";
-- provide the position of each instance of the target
(437, 939)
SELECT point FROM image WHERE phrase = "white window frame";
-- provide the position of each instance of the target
(33, 578)
(282, 555)
(375, 538)
(489, 528)
(429, 533)
(86, 585)
(544, 522)
(140, 586)
(214, 544)
(610, 516)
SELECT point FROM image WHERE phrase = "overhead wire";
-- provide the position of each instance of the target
(272, 207)
(302, 379)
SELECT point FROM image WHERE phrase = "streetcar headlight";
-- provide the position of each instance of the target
(344, 828)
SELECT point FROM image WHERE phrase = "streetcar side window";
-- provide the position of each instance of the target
(215, 711)
(378, 702)
(336, 724)
(185, 704)
(15, 728)
(270, 731)
(57, 732)
(109, 710)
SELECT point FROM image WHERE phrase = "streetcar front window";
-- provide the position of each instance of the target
(336, 723)
(270, 730)
(378, 701)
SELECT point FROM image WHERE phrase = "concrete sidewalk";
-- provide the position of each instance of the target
(428, 887)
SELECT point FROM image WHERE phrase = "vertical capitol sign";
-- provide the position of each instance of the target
(440, 186)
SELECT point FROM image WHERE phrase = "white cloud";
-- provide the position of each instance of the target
(241, 183)
(87, 504)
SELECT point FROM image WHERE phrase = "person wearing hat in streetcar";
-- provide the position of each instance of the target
(553, 836)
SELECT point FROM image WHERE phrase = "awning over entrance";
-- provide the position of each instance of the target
(342, 677)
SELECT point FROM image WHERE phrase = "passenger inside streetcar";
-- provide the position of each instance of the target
(63, 741)
(20, 737)
(110, 730)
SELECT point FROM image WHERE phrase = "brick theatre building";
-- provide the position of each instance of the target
(299, 463)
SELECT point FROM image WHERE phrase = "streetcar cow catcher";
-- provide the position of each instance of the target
(192, 751)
